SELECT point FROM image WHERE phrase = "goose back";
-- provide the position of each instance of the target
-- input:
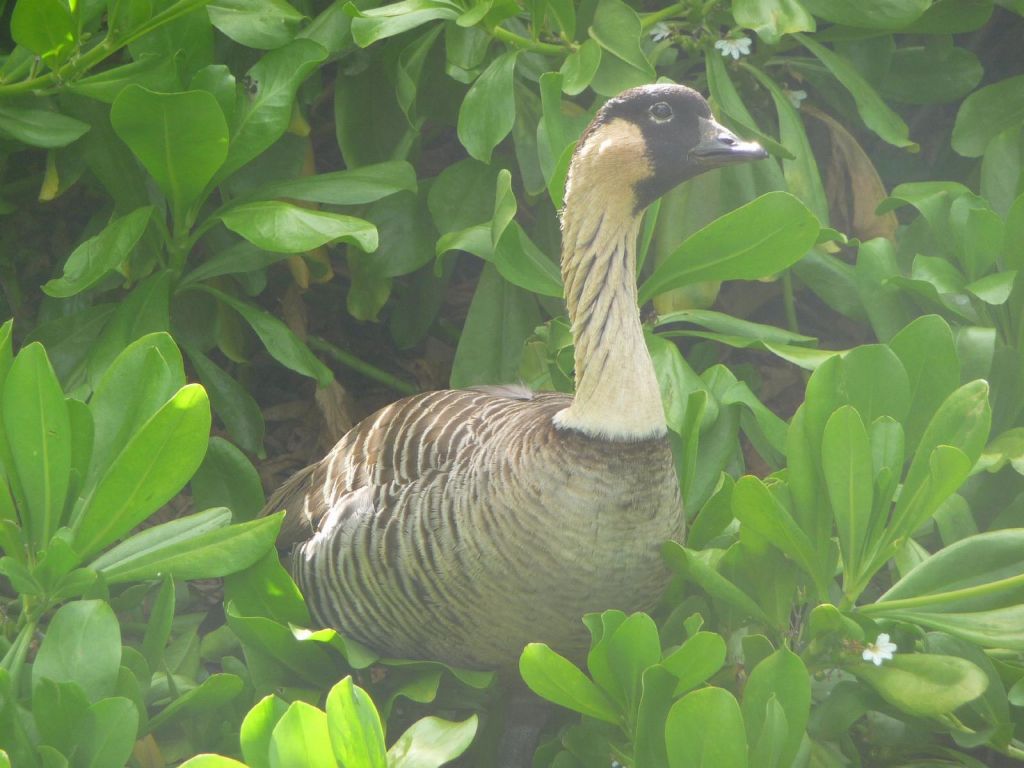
(460, 525)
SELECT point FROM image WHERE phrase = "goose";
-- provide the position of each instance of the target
(460, 525)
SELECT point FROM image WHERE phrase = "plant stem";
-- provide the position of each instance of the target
(361, 366)
(648, 20)
(549, 49)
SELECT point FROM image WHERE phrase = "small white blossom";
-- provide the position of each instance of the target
(795, 97)
(880, 650)
(734, 46)
(660, 31)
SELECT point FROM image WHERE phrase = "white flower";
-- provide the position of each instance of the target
(880, 650)
(660, 31)
(734, 46)
(795, 97)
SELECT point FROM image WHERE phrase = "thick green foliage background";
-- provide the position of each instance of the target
(231, 228)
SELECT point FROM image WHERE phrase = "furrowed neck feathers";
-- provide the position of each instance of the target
(617, 395)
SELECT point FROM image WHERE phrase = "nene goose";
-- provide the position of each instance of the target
(460, 525)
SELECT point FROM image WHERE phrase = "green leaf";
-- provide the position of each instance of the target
(755, 240)
(40, 127)
(556, 679)
(91, 260)
(926, 349)
(181, 139)
(200, 546)
(38, 431)
(501, 317)
(301, 738)
(931, 74)
(257, 729)
(110, 734)
(522, 263)
(371, 25)
(869, 14)
(82, 645)
(353, 186)
(771, 19)
(924, 684)
(158, 628)
(60, 709)
(755, 506)
(579, 67)
(304, 661)
(45, 27)
(256, 23)
(286, 228)
(649, 735)
(993, 289)
(357, 736)
(261, 118)
(849, 476)
(962, 422)
(211, 695)
(154, 465)
(216, 761)
(995, 628)
(873, 111)
(977, 573)
(232, 403)
(631, 648)
(986, 113)
(696, 660)
(781, 677)
(431, 742)
(227, 478)
(283, 345)
(617, 29)
(698, 567)
(489, 110)
(704, 729)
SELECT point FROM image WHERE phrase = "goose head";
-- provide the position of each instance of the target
(649, 139)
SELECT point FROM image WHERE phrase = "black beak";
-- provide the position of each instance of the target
(720, 146)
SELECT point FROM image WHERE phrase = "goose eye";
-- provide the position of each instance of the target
(661, 112)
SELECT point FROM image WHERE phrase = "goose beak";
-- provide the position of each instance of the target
(720, 146)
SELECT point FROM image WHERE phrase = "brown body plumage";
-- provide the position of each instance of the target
(460, 525)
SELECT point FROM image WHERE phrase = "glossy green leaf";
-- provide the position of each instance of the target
(258, 727)
(61, 710)
(977, 573)
(266, 589)
(110, 734)
(730, 107)
(373, 24)
(488, 110)
(45, 27)
(181, 139)
(200, 546)
(158, 628)
(755, 506)
(261, 118)
(301, 738)
(993, 289)
(873, 111)
(781, 677)
(987, 113)
(38, 127)
(211, 695)
(95, 257)
(617, 29)
(846, 463)
(696, 660)
(522, 263)
(227, 478)
(870, 14)
(283, 345)
(755, 240)
(704, 729)
(154, 465)
(579, 67)
(256, 24)
(143, 377)
(231, 402)
(356, 734)
(83, 646)
(305, 663)
(699, 568)
(931, 74)
(924, 684)
(926, 349)
(38, 431)
(556, 679)
(994, 628)
(772, 19)
(353, 186)
(285, 228)
(431, 742)
(216, 761)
